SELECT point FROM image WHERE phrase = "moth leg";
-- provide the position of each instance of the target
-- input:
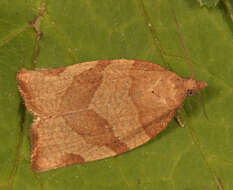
(178, 118)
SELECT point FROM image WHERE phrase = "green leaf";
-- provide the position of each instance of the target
(197, 157)
(208, 3)
(227, 4)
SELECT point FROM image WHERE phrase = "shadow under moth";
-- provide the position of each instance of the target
(94, 110)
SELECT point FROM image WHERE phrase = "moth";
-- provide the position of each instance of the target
(94, 110)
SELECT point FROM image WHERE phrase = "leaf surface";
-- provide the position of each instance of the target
(208, 3)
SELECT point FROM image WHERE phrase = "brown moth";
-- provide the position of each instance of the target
(94, 110)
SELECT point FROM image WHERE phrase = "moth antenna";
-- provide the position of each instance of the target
(203, 106)
(184, 44)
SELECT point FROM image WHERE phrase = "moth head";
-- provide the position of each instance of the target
(193, 86)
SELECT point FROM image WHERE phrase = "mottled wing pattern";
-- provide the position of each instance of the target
(92, 110)
(55, 144)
